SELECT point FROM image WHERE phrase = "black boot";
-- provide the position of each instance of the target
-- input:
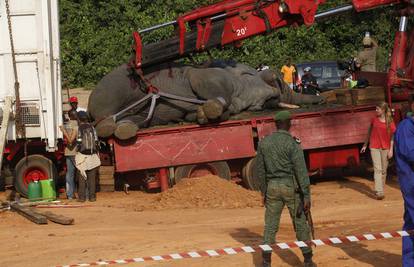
(267, 258)
(308, 260)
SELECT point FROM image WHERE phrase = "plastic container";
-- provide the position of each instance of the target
(35, 191)
(48, 189)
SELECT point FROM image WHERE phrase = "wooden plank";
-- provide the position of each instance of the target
(56, 218)
(47, 202)
(107, 182)
(330, 96)
(106, 188)
(374, 94)
(106, 170)
(29, 214)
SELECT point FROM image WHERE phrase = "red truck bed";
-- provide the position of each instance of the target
(320, 131)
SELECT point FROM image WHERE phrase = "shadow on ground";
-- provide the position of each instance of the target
(341, 175)
(249, 238)
(377, 258)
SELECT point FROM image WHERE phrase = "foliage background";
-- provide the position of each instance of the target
(96, 36)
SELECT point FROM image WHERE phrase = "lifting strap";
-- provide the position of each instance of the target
(153, 93)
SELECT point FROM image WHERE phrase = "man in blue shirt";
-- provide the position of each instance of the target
(404, 157)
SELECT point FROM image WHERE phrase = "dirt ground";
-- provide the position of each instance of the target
(194, 216)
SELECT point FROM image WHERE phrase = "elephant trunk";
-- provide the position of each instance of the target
(301, 99)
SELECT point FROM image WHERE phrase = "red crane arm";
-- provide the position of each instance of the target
(231, 21)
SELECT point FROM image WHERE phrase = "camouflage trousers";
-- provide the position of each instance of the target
(281, 192)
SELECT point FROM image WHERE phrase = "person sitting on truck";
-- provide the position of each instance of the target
(288, 71)
(381, 142)
(70, 132)
(309, 82)
(87, 159)
(366, 59)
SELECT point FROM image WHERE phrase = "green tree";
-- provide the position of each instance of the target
(96, 36)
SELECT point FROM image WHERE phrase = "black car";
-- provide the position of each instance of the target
(326, 72)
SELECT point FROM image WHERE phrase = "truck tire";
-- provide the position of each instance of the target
(249, 176)
(219, 168)
(33, 167)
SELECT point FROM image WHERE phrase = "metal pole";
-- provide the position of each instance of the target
(156, 27)
(403, 24)
(333, 12)
(174, 22)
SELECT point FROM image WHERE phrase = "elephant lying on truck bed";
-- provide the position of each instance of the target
(227, 87)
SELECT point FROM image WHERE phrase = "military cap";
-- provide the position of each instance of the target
(283, 115)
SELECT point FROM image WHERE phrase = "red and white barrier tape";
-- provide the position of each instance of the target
(252, 249)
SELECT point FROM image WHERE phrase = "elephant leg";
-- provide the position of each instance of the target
(225, 116)
(125, 129)
(213, 109)
(106, 127)
(191, 116)
(201, 116)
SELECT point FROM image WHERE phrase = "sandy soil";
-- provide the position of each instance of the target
(123, 226)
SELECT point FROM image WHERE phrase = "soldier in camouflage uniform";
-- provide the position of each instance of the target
(279, 158)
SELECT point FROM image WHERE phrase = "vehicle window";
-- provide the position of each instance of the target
(317, 71)
(330, 72)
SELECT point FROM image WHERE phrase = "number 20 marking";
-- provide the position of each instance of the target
(241, 32)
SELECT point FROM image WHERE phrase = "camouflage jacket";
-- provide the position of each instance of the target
(279, 156)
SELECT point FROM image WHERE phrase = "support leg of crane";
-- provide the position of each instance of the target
(163, 179)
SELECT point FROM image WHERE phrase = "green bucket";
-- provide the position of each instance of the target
(48, 189)
(35, 191)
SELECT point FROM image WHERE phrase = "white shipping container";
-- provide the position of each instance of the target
(35, 32)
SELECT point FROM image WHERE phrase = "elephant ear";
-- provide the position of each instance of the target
(268, 76)
(273, 79)
(210, 83)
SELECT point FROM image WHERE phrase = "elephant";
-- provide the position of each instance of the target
(226, 87)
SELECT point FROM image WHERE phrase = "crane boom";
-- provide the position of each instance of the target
(232, 21)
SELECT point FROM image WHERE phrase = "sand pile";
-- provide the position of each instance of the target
(204, 192)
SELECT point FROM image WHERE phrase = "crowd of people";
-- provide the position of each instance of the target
(81, 152)
(305, 84)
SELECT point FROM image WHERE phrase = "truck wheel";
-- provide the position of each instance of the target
(250, 177)
(33, 167)
(219, 168)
